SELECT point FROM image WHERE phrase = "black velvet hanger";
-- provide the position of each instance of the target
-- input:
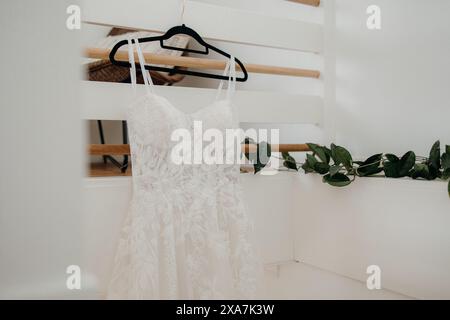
(170, 33)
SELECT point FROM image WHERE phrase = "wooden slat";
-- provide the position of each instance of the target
(107, 170)
(109, 101)
(108, 149)
(314, 3)
(199, 63)
(210, 21)
(124, 149)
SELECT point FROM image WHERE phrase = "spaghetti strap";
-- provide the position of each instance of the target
(145, 73)
(230, 69)
(133, 65)
(232, 79)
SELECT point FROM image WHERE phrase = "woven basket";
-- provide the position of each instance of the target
(103, 70)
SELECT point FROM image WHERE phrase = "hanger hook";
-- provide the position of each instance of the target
(183, 5)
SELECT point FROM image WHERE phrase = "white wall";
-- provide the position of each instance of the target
(391, 96)
(399, 225)
(40, 135)
(392, 84)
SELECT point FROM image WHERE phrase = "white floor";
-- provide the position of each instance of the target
(300, 281)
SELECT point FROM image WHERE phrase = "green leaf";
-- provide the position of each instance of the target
(338, 180)
(434, 160)
(406, 163)
(289, 161)
(321, 152)
(257, 168)
(391, 169)
(374, 159)
(421, 170)
(312, 164)
(340, 155)
(290, 165)
(435, 154)
(371, 166)
(327, 153)
(392, 157)
(321, 167)
(311, 160)
(445, 174)
(307, 168)
(333, 153)
(445, 161)
(399, 168)
(334, 169)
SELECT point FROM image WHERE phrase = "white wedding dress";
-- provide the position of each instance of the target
(187, 234)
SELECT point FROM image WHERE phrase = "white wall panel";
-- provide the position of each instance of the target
(210, 21)
(109, 101)
(400, 225)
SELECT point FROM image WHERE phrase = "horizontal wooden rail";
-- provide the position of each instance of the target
(199, 63)
(124, 149)
(314, 3)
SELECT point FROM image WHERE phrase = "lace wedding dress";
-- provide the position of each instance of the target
(187, 234)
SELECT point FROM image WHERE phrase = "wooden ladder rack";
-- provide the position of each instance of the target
(200, 63)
